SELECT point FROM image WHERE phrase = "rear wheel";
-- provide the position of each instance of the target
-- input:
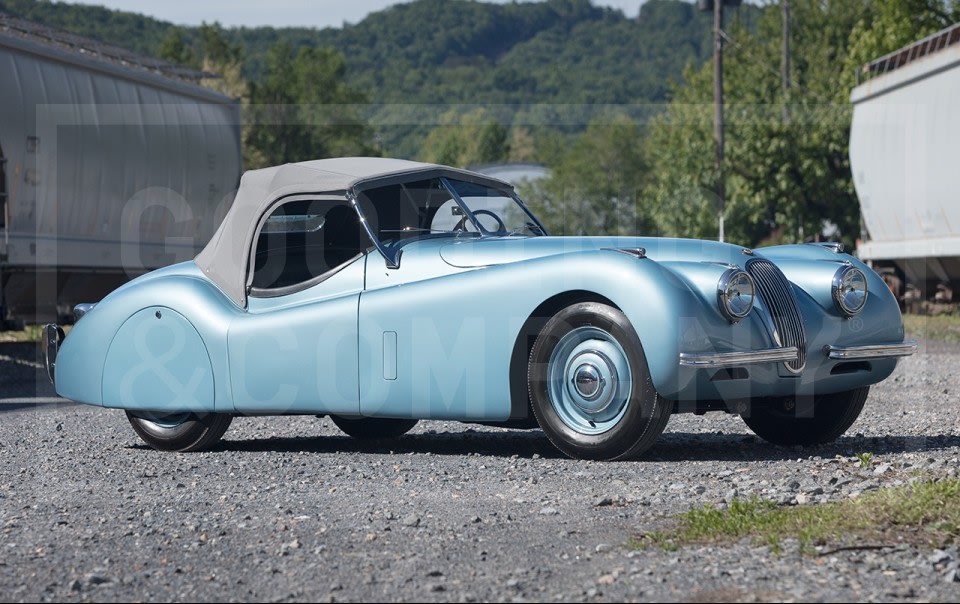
(179, 431)
(372, 428)
(815, 420)
(590, 387)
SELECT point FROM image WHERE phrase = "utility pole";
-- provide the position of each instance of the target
(785, 57)
(718, 107)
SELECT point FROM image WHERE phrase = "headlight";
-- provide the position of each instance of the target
(735, 294)
(849, 290)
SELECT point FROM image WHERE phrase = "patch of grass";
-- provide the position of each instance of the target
(945, 328)
(31, 333)
(924, 512)
(866, 459)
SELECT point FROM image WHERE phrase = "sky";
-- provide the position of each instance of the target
(279, 13)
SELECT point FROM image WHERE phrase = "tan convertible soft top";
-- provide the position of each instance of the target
(224, 259)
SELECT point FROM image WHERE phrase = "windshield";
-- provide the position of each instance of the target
(435, 207)
(497, 212)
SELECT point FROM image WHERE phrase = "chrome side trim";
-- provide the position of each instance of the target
(874, 351)
(736, 359)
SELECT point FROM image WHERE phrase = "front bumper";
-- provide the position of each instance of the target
(784, 355)
(738, 359)
(876, 351)
(52, 338)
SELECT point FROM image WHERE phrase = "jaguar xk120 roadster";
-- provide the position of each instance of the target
(381, 292)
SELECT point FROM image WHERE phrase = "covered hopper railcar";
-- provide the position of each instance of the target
(111, 165)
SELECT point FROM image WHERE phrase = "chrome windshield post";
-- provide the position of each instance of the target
(523, 206)
(463, 206)
(392, 260)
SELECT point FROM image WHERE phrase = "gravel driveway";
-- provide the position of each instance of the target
(288, 509)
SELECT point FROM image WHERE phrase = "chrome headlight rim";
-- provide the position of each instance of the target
(839, 288)
(730, 278)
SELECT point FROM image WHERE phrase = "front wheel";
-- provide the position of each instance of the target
(179, 431)
(590, 387)
(816, 420)
(373, 428)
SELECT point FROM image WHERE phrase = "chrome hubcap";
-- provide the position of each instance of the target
(589, 380)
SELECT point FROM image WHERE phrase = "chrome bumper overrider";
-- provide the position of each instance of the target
(52, 338)
(851, 353)
(738, 359)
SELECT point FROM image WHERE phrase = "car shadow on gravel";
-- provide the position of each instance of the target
(523, 444)
(679, 446)
(674, 446)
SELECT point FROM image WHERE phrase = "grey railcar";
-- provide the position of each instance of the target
(111, 165)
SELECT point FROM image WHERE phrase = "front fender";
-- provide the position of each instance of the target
(665, 311)
(811, 268)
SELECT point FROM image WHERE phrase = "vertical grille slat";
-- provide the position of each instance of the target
(777, 293)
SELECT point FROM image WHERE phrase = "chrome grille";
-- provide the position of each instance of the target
(777, 294)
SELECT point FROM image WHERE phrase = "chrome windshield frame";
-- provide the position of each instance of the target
(391, 260)
(536, 221)
(463, 206)
(392, 257)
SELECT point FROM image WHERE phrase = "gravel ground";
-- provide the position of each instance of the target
(289, 509)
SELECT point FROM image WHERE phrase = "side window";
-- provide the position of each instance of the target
(302, 241)
(409, 210)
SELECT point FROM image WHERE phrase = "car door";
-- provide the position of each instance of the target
(295, 348)
(432, 340)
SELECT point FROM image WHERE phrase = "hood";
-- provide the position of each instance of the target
(493, 251)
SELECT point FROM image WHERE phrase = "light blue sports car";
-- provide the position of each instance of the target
(381, 292)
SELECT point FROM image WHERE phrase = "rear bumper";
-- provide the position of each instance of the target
(52, 338)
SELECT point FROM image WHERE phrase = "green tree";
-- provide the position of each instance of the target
(473, 138)
(216, 47)
(303, 109)
(893, 24)
(596, 182)
(174, 49)
(225, 60)
(787, 180)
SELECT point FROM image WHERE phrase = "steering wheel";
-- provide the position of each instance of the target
(501, 227)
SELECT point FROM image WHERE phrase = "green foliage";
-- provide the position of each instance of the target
(786, 157)
(471, 139)
(890, 514)
(544, 71)
(893, 24)
(596, 182)
(133, 31)
(175, 50)
(216, 47)
(30, 333)
(786, 165)
(445, 52)
(944, 327)
(303, 109)
(865, 459)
